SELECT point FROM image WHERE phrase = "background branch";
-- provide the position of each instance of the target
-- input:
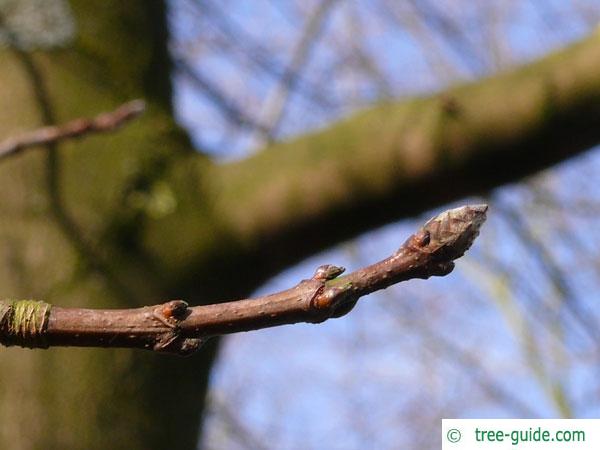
(104, 122)
(430, 150)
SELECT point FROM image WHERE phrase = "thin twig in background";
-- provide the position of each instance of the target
(227, 106)
(102, 123)
(173, 327)
(276, 103)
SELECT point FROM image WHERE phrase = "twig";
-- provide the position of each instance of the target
(174, 327)
(109, 121)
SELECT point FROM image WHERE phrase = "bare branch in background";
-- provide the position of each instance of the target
(276, 103)
(538, 249)
(226, 105)
(455, 36)
(406, 17)
(174, 327)
(232, 39)
(105, 122)
(235, 428)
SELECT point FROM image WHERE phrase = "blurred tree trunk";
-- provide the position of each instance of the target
(81, 245)
(139, 217)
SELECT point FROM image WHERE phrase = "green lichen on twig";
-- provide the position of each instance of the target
(23, 323)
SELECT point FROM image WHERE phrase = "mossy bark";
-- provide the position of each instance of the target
(400, 158)
(70, 233)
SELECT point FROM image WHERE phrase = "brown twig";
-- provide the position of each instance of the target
(174, 327)
(104, 122)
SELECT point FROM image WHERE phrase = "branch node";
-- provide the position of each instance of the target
(176, 344)
(331, 301)
(449, 104)
(423, 238)
(327, 272)
(171, 313)
(441, 269)
(176, 309)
